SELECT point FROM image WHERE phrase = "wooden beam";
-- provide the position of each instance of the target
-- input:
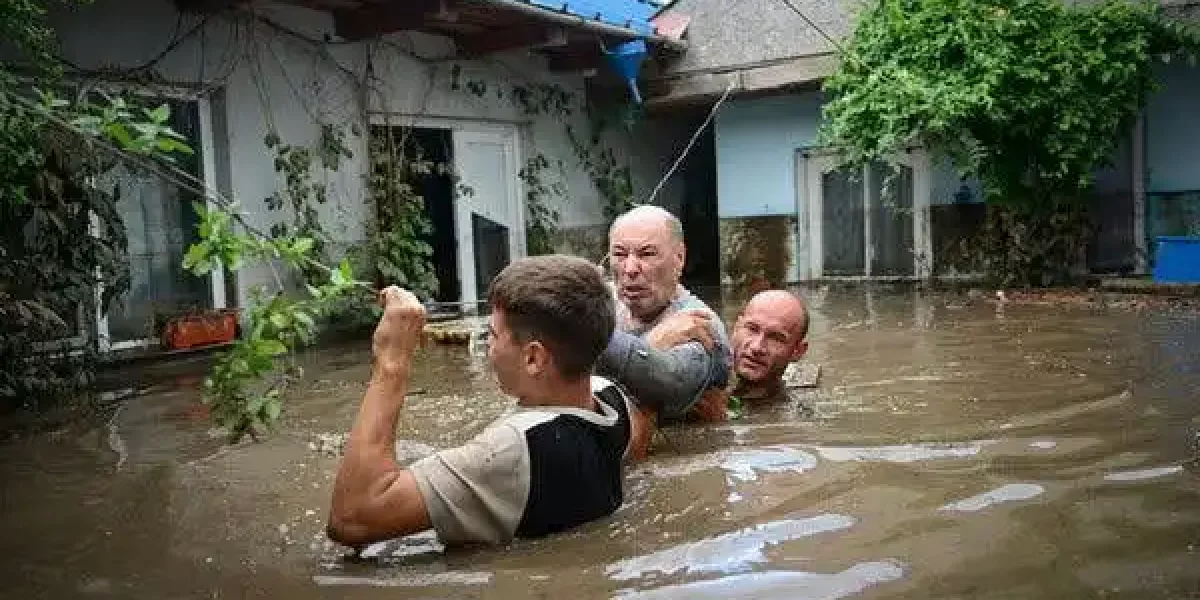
(382, 19)
(206, 6)
(576, 62)
(512, 38)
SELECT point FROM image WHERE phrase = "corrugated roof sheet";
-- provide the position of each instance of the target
(631, 14)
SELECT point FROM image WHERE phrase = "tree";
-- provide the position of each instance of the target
(1029, 96)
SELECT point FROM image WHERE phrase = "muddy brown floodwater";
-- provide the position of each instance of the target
(951, 451)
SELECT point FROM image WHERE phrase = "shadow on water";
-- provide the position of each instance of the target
(955, 448)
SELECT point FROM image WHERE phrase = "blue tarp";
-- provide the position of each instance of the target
(631, 14)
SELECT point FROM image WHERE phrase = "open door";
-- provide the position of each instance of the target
(489, 220)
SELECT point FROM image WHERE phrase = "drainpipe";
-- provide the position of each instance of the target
(594, 25)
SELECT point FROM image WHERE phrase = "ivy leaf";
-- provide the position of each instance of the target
(197, 259)
(274, 347)
(303, 246)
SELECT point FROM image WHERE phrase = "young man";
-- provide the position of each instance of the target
(549, 467)
(667, 377)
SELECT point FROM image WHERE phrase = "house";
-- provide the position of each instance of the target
(484, 86)
(787, 214)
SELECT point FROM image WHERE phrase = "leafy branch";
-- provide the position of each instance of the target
(245, 386)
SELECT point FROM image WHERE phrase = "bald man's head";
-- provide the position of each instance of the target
(768, 335)
(784, 304)
(648, 214)
(645, 246)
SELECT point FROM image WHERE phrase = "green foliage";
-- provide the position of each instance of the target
(60, 234)
(25, 25)
(1029, 96)
(302, 192)
(245, 388)
(532, 98)
(541, 221)
(735, 408)
(399, 242)
(612, 179)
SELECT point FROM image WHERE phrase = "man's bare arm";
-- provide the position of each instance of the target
(373, 498)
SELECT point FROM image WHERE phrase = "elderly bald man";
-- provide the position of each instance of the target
(768, 335)
(669, 348)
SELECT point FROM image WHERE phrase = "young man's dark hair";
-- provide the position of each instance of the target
(561, 301)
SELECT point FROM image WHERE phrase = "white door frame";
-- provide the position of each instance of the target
(208, 175)
(510, 134)
(813, 163)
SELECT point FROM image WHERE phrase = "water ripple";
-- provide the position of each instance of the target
(726, 553)
(742, 465)
(1144, 473)
(905, 453)
(1007, 493)
(792, 585)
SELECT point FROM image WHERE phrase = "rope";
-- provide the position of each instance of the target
(692, 142)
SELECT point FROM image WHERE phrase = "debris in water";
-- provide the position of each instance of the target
(802, 375)
(283, 529)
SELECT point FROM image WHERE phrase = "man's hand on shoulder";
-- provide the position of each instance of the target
(685, 326)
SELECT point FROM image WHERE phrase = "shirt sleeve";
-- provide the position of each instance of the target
(668, 380)
(477, 492)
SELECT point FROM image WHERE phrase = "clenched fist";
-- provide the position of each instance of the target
(399, 331)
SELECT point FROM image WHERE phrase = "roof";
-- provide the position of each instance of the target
(631, 14)
(728, 35)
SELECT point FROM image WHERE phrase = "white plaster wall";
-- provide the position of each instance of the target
(264, 79)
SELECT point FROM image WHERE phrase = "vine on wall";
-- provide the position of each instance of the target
(541, 219)
(399, 239)
(611, 176)
(302, 191)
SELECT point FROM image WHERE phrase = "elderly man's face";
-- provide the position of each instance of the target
(647, 265)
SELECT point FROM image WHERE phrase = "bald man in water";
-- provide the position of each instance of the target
(769, 335)
(669, 350)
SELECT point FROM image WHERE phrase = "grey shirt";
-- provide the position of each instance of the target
(671, 381)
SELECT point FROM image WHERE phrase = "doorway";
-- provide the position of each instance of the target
(474, 208)
(435, 186)
(701, 222)
(865, 222)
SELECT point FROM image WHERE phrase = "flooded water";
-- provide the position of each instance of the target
(952, 450)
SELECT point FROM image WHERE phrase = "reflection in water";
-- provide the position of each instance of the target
(406, 580)
(1144, 474)
(742, 465)
(905, 453)
(727, 553)
(790, 585)
(1007, 493)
